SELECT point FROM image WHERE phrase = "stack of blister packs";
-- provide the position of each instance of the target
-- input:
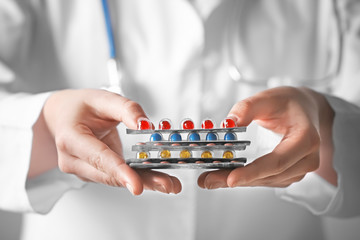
(206, 147)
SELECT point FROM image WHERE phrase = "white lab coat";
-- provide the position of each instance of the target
(175, 60)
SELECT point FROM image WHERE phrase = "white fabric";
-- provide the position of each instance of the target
(175, 64)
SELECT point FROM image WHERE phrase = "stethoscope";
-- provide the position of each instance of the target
(235, 73)
(113, 67)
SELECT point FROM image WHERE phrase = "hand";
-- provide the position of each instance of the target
(304, 118)
(83, 124)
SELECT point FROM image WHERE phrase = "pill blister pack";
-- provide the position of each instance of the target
(188, 147)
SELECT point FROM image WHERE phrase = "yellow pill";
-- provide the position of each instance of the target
(228, 154)
(165, 154)
(185, 154)
(143, 155)
(206, 154)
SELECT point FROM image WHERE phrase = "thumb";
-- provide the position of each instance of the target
(249, 109)
(116, 107)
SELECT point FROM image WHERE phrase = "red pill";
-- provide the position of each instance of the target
(144, 124)
(187, 124)
(228, 123)
(207, 124)
(164, 124)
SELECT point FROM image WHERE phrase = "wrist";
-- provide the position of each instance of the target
(326, 117)
(43, 152)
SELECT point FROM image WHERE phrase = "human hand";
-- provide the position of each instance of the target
(304, 118)
(83, 124)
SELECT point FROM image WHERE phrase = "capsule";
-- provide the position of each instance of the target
(187, 124)
(164, 154)
(228, 123)
(155, 137)
(174, 137)
(194, 136)
(212, 136)
(185, 154)
(207, 124)
(144, 124)
(206, 154)
(142, 155)
(228, 154)
(230, 136)
(165, 124)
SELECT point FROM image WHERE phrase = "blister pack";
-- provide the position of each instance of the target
(188, 147)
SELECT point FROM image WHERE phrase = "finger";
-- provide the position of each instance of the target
(112, 140)
(159, 181)
(177, 185)
(85, 146)
(256, 107)
(289, 151)
(307, 164)
(113, 106)
(214, 179)
(86, 172)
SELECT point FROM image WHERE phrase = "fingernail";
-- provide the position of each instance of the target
(214, 185)
(161, 188)
(130, 188)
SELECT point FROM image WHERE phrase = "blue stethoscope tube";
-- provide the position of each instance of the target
(114, 70)
(109, 30)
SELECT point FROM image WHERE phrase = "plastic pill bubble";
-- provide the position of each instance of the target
(174, 137)
(187, 124)
(165, 154)
(143, 155)
(212, 136)
(228, 154)
(155, 137)
(207, 124)
(228, 123)
(185, 154)
(194, 136)
(229, 136)
(206, 154)
(144, 124)
(165, 124)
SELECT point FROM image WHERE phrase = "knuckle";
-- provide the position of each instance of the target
(97, 159)
(61, 142)
(111, 181)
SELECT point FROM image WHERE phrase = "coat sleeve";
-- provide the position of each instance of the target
(313, 192)
(18, 113)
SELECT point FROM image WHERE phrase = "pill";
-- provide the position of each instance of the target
(143, 155)
(174, 137)
(144, 124)
(165, 124)
(155, 137)
(194, 136)
(165, 154)
(207, 124)
(187, 124)
(206, 154)
(185, 154)
(228, 123)
(229, 136)
(212, 136)
(228, 154)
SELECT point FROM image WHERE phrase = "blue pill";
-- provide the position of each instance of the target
(194, 136)
(155, 137)
(229, 136)
(211, 136)
(175, 137)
